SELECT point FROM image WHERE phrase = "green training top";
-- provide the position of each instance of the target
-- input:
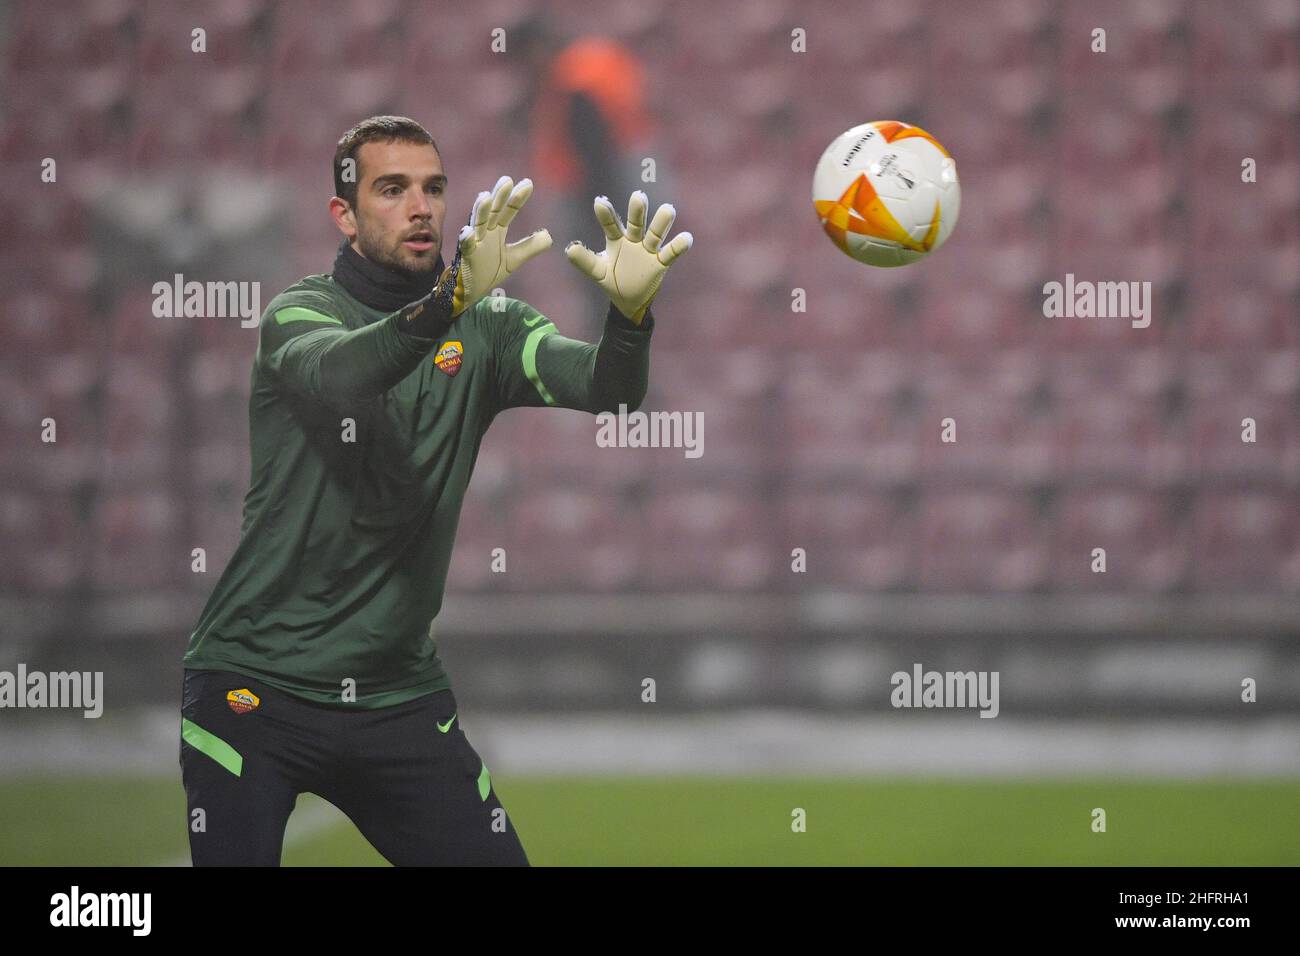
(363, 439)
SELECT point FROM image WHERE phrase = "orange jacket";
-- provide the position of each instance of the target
(610, 75)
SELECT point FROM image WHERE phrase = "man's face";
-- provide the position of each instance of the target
(400, 206)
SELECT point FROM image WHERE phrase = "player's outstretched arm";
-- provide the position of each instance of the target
(486, 260)
(634, 262)
(306, 349)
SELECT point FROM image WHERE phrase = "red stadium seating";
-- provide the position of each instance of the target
(822, 426)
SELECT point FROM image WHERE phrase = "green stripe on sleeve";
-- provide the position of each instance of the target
(213, 746)
(296, 313)
(530, 361)
(484, 783)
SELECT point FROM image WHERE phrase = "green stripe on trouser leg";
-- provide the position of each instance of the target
(484, 783)
(213, 746)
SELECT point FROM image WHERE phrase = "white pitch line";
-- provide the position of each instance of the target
(756, 742)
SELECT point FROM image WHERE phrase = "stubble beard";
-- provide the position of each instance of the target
(399, 260)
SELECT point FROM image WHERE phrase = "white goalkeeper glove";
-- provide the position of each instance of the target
(635, 259)
(485, 259)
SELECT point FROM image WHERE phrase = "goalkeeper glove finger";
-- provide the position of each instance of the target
(635, 259)
(486, 260)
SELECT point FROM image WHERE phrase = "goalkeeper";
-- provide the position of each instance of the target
(312, 667)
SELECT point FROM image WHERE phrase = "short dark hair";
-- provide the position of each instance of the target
(382, 129)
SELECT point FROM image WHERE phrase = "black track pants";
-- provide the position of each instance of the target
(405, 775)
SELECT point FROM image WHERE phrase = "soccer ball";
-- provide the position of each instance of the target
(886, 193)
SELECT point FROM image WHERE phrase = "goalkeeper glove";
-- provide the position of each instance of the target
(486, 260)
(635, 259)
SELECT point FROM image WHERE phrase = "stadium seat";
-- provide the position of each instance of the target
(139, 415)
(1245, 540)
(45, 544)
(1106, 436)
(572, 540)
(1223, 391)
(714, 538)
(1146, 547)
(139, 548)
(854, 539)
(980, 541)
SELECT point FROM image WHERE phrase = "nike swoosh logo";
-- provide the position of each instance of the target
(534, 320)
(447, 726)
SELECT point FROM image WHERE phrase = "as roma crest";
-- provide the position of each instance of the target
(448, 358)
(242, 701)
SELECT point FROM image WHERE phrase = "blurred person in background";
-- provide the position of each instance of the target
(589, 125)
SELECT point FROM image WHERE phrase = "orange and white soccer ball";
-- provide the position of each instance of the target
(887, 193)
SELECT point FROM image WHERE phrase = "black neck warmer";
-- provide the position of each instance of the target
(379, 288)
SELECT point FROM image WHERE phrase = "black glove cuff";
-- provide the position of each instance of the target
(430, 317)
(620, 321)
